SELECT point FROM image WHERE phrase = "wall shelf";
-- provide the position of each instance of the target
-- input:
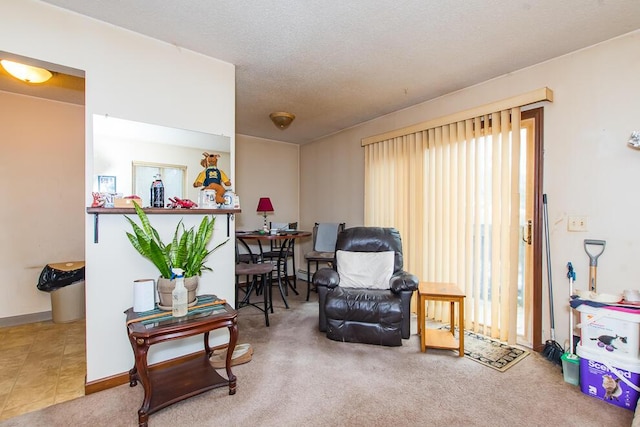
(96, 212)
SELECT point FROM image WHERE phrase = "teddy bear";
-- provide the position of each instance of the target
(98, 200)
(212, 178)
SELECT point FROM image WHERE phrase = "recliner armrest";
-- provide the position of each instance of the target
(326, 277)
(403, 281)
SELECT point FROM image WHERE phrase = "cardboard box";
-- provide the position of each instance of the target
(610, 332)
(613, 380)
(126, 203)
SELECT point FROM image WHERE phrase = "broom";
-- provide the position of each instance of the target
(553, 351)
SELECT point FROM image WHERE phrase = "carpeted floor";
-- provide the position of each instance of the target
(300, 378)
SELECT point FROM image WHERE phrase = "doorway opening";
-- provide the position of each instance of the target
(44, 123)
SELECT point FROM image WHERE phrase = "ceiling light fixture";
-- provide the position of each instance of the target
(281, 119)
(26, 73)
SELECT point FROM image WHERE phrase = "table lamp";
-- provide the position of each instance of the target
(264, 206)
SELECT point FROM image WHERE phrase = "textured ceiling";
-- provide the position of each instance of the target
(337, 63)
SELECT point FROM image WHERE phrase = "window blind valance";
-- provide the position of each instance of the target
(538, 95)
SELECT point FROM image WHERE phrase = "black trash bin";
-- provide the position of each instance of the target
(65, 282)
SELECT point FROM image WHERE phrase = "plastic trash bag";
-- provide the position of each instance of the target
(56, 276)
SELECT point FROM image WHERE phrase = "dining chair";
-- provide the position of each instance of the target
(244, 254)
(281, 269)
(277, 251)
(324, 244)
(252, 272)
(275, 244)
(258, 279)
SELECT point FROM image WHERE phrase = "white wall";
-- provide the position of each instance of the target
(266, 168)
(41, 177)
(588, 169)
(137, 78)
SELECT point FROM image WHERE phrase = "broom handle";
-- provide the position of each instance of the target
(546, 235)
(570, 316)
(571, 274)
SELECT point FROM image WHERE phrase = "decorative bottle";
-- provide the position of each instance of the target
(157, 193)
(179, 295)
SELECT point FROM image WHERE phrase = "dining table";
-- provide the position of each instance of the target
(286, 239)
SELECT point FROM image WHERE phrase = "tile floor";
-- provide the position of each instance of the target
(41, 364)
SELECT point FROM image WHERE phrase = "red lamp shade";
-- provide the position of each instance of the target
(264, 205)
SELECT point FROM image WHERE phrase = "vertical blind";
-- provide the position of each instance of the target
(452, 190)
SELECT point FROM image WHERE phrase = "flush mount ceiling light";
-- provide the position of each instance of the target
(26, 73)
(281, 119)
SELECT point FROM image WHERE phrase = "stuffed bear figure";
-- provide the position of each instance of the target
(212, 178)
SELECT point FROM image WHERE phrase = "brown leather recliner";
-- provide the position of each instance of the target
(363, 315)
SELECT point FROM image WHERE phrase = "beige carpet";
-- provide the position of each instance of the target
(300, 378)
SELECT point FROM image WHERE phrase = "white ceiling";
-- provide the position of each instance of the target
(337, 63)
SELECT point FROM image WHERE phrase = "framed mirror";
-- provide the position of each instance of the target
(134, 153)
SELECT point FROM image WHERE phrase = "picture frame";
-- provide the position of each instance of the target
(106, 184)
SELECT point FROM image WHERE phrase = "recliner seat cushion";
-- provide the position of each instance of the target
(363, 305)
(364, 333)
(369, 316)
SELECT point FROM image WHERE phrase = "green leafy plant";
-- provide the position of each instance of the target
(187, 250)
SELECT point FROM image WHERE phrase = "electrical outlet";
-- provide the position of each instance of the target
(577, 223)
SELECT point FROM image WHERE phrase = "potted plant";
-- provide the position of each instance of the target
(187, 250)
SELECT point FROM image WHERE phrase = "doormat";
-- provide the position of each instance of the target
(490, 352)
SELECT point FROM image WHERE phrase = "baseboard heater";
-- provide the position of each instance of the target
(302, 274)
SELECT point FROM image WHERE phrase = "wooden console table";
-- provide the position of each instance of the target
(440, 338)
(165, 386)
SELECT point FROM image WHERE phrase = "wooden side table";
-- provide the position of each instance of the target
(439, 338)
(195, 375)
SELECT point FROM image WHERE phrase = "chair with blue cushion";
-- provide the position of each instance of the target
(324, 243)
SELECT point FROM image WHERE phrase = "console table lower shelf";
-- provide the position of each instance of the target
(179, 382)
(164, 386)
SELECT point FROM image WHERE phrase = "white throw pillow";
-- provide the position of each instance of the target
(365, 269)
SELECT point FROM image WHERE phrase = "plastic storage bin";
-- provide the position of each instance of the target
(610, 379)
(609, 331)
